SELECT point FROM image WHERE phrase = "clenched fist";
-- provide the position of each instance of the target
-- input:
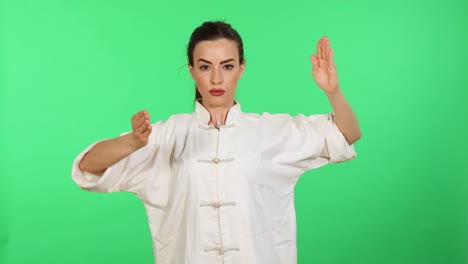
(141, 128)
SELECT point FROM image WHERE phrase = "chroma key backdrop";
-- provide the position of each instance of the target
(74, 72)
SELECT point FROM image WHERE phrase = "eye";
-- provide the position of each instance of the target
(228, 67)
(204, 67)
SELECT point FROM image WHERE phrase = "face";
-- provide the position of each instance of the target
(216, 70)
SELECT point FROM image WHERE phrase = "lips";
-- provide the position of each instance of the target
(217, 92)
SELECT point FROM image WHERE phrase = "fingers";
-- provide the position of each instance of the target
(326, 47)
(324, 52)
(147, 131)
(143, 113)
(138, 121)
(329, 53)
(331, 62)
(141, 122)
(315, 63)
(140, 116)
(323, 48)
(142, 127)
(136, 118)
(319, 49)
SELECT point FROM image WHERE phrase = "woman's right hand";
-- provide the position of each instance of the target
(108, 152)
(141, 128)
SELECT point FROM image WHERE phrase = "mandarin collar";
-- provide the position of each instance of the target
(203, 116)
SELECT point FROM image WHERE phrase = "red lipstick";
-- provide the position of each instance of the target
(216, 92)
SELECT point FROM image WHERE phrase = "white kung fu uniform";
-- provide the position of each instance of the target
(223, 195)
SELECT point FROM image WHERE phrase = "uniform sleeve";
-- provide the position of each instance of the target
(313, 141)
(132, 172)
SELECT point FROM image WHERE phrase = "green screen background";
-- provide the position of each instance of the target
(73, 72)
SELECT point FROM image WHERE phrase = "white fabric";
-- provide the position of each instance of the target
(227, 195)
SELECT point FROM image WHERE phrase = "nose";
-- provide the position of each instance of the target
(216, 76)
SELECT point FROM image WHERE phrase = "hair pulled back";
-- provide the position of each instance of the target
(213, 30)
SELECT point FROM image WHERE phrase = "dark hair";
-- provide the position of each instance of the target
(213, 30)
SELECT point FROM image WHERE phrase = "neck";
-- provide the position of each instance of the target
(218, 113)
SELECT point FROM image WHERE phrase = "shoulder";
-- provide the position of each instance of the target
(284, 120)
(265, 123)
(267, 118)
(177, 119)
(180, 118)
(174, 125)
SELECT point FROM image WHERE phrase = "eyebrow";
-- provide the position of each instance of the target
(209, 62)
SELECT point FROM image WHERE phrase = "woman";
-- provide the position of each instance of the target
(218, 184)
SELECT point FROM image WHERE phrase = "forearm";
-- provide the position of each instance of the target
(106, 153)
(345, 118)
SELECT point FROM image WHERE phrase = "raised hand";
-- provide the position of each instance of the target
(141, 128)
(323, 67)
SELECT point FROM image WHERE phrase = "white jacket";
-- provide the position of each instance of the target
(223, 195)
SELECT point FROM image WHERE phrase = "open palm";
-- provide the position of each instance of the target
(323, 67)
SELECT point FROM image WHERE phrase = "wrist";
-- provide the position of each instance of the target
(333, 93)
(132, 141)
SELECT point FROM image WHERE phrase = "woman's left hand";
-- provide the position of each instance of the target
(323, 67)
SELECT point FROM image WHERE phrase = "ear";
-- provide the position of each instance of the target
(191, 71)
(241, 71)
